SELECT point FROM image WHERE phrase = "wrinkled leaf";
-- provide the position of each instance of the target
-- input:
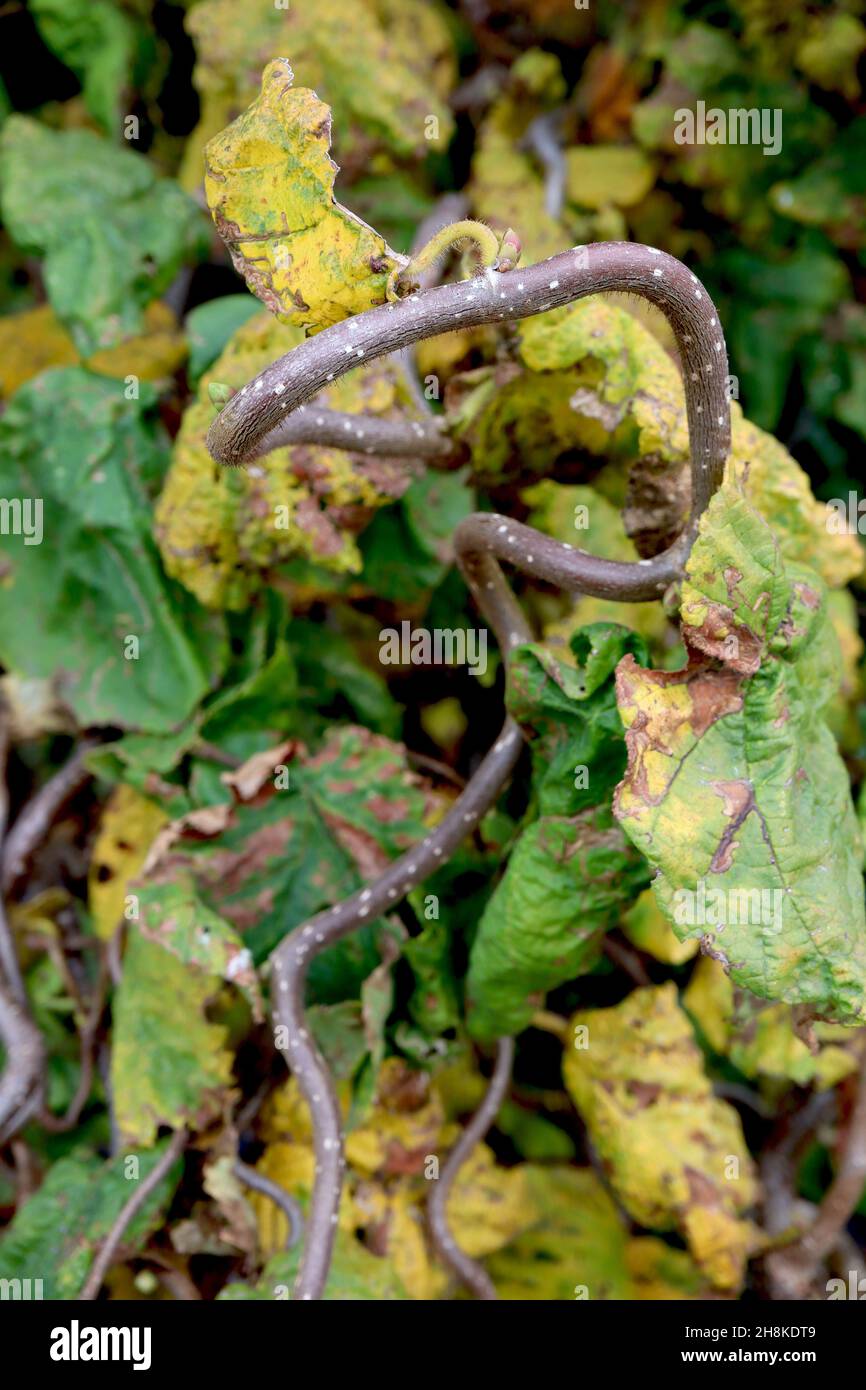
(55, 1234)
(735, 791)
(269, 182)
(675, 1155)
(571, 870)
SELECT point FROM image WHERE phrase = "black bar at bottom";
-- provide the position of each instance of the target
(196, 1341)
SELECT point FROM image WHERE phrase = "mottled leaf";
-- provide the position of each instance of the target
(592, 381)
(269, 182)
(128, 825)
(221, 531)
(674, 1154)
(298, 833)
(735, 791)
(760, 1038)
(383, 66)
(162, 1073)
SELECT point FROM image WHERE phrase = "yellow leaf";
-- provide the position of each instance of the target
(385, 67)
(32, 341)
(601, 174)
(269, 182)
(400, 1235)
(646, 927)
(220, 530)
(489, 1205)
(760, 1038)
(128, 827)
(675, 1154)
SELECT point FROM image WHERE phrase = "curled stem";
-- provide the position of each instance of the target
(34, 820)
(496, 251)
(288, 1205)
(131, 1208)
(473, 1275)
(481, 542)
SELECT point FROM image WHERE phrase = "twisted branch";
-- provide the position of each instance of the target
(792, 1270)
(34, 820)
(481, 541)
(363, 434)
(131, 1208)
(288, 1205)
(470, 1271)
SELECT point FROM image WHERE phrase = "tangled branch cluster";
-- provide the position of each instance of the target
(263, 414)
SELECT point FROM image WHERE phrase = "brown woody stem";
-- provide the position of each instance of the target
(481, 541)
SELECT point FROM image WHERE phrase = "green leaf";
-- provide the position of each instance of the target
(580, 1243)
(735, 790)
(339, 1033)
(112, 234)
(564, 885)
(434, 1004)
(355, 1276)
(407, 548)
(210, 326)
(73, 441)
(571, 871)
(829, 192)
(332, 678)
(570, 717)
(54, 1235)
(99, 43)
(169, 1065)
(299, 833)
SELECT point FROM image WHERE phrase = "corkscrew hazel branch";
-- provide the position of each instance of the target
(470, 1271)
(362, 434)
(481, 542)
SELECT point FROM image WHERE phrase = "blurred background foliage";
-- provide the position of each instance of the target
(119, 303)
(428, 98)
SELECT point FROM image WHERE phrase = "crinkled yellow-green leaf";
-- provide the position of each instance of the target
(735, 790)
(674, 1153)
(269, 183)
